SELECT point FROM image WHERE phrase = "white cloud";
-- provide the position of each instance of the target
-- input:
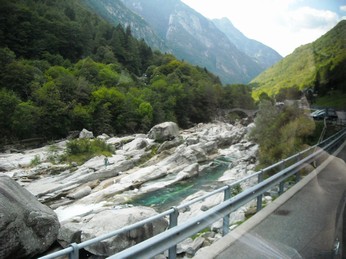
(279, 24)
(310, 18)
(343, 8)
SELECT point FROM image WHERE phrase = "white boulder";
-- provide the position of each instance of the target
(111, 220)
(164, 131)
(86, 134)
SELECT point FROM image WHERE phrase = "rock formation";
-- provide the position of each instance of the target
(164, 131)
(80, 194)
(27, 227)
(110, 220)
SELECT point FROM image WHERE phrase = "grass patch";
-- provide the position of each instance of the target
(200, 233)
(53, 154)
(81, 150)
(335, 99)
(35, 161)
(238, 223)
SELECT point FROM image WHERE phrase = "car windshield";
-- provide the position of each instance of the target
(152, 129)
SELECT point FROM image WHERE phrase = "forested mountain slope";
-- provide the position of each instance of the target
(116, 12)
(64, 68)
(319, 66)
(187, 34)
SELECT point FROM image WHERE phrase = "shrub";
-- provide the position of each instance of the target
(53, 154)
(81, 150)
(280, 132)
(236, 190)
(35, 161)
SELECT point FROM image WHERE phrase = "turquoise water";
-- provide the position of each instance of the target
(172, 195)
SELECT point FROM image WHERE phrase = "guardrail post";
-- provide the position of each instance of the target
(282, 184)
(299, 157)
(259, 197)
(281, 187)
(225, 225)
(75, 253)
(173, 222)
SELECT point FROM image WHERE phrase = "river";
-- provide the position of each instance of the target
(172, 195)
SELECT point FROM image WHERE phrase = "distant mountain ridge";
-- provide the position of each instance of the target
(180, 30)
(260, 53)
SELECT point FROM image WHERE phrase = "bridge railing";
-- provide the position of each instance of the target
(176, 233)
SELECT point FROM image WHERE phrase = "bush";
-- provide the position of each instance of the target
(53, 154)
(35, 161)
(280, 133)
(236, 190)
(81, 150)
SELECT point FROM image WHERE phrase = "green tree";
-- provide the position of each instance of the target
(25, 120)
(18, 76)
(83, 90)
(145, 111)
(8, 104)
(98, 73)
(265, 97)
(81, 117)
(108, 75)
(280, 133)
(6, 57)
(64, 80)
(107, 105)
(237, 96)
(117, 44)
(54, 120)
(292, 93)
(146, 55)
(132, 60)
(104, 54)
(88, 69)
(163, 100)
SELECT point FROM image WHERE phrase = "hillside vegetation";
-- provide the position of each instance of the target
(63, 69)
(319, 66)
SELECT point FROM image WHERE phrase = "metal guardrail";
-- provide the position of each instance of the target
(168, 239)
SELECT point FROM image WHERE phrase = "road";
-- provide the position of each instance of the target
(299, 224)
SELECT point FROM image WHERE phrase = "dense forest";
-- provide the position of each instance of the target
(63, 69)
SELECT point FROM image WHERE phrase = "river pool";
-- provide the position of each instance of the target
(172, 195)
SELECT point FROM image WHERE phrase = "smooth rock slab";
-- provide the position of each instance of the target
(111, 220)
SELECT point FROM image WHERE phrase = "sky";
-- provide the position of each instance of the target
(282, 25)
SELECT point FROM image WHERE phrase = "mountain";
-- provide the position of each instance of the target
(260, 53)
(319, 65)
(186, 33)
(64, 68)
(116, 13)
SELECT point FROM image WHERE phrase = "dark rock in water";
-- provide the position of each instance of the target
(27, 227)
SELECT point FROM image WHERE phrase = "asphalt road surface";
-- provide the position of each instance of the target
(306, 225)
